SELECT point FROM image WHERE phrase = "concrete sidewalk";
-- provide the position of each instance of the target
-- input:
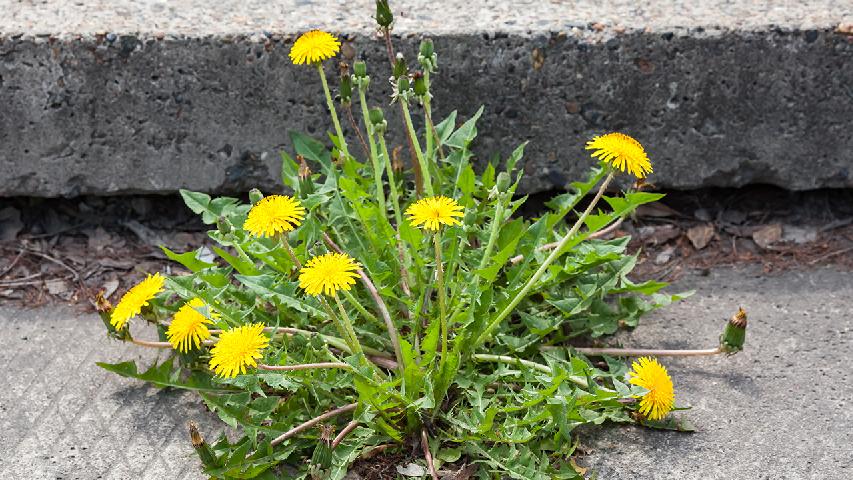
(779, 410)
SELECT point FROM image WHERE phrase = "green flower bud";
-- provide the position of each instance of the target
(346, 89)
(400, 67)
(384, 17)
(255, 196)
(734, 335)
(503, 182)
(223, 225)
(427, 48)
(403, 84)
(359, 69)
(376, 116)
(420, 84)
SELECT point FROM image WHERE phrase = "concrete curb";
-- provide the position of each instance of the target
(152, 112)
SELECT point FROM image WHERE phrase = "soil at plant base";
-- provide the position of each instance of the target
(68, 250)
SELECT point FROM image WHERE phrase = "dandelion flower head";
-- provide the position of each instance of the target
(313, 47)
(237, 349)
(651, 375)
(135, 299)
(274, 214)
(432, 212)
(189, 326)
(621, 151)
(328, 273)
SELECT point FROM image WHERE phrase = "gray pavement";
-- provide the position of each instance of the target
(148, 96)
(779, 410)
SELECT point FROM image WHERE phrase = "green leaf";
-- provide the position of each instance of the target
(242, 266)
(162, 376)
(188, 259)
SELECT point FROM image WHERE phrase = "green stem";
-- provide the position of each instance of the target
(331, 104)
(243, 255)
(345, 334)
(542, 268)
(442, 302)
(421, 160)
(395, 204)
(493, 236)
(347, 323)
(361, 310)
(432, 134)
(374, 156)
(290, 251)
(483, 357)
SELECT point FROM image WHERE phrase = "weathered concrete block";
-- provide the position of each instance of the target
(206, 105)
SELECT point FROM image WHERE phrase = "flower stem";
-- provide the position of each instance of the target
(421, 160)
(331, 104)
(374, 155)
(303, 366)
(398, 215)
(641, 352)
(290, 251)
(353, 345)
(347, 323)
(442, 302)
(361, 310)
(483, 357)
(493, 235)
(542, 268)
(243, 255)
(310, 423)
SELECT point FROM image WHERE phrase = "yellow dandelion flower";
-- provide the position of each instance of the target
(274, 214)
(431, 212)
(135, 299)
(189, 327)
(328, 273)
(623, 152)
(313, 47)
(237, 349)
(652, 376)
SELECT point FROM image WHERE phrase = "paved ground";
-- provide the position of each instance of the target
(780, 410)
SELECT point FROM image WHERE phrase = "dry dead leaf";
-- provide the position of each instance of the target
(767, 235)
(700, 235)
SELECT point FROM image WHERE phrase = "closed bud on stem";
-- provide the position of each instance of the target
(223, 225)
(403, 85)
(420, 84)
(306, 185)
(255, 196)
(426, 56)
(734, 335)
(377, 120)
(400, 67)
(359, 69)
(384, 17)
(205, 453)
(503, 182)
(346, 85)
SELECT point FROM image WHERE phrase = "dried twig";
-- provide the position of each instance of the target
(380, 304)
(310, 423)
(12, 265)
(427, 454)
(346, 431)
(54, 260)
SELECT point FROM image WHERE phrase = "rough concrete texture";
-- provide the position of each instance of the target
(144, 96)
(779, 410)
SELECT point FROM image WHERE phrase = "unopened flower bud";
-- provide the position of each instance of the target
(255, 196)
(304, 170)
(734, 335)
(396, 163)
(384, 17)
(402, 84)
(205, 453)
(306, 184)
(503, 182)
(420, 84)
(223, 225)
(427, 48)
(400, 67)
(359, 69)
(346, 87)
(470, 217)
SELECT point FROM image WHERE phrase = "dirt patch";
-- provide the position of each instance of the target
(67, 250)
